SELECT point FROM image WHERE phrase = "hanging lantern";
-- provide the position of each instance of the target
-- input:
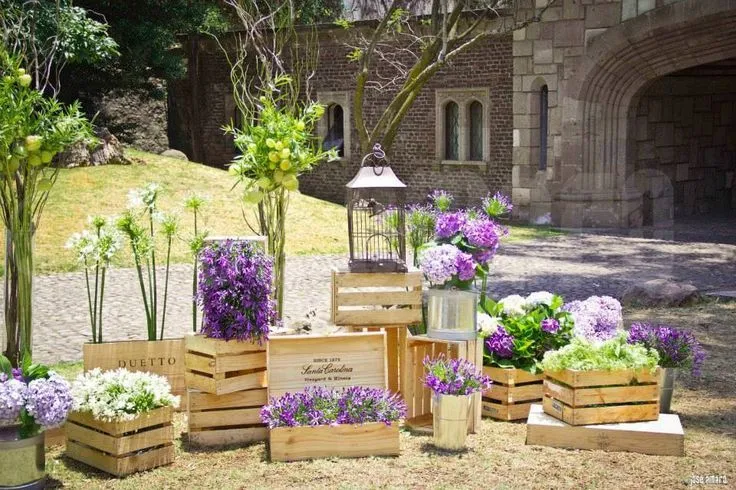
(376, 199)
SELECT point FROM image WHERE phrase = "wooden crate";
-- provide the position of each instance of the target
(164, 357)
(121, 448)
(601, 397)
(376, 299)
(417, 396)
(662, 437)
(233, 418)
(512, 393)
(219, 367)
(395, 351)
(327, 441)
(334, 361)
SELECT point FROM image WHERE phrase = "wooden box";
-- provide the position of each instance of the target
(601, 397)
(512, 393)
(333, 361)
(218, 366)
(395, 351)
(663, 437)
(121, 448)
(326, 441)
(376, 299)
(164, 357)
(418, 398)
(233, 418)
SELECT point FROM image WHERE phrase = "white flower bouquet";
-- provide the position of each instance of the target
(118, 395)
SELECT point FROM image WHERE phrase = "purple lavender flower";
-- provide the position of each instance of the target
(442, 200)
(501, 343)
(597, 318)
(676, 348)
(449, 224)
(454, 376)
(13, 395)
(323, 406)
(497, 205)
(49, 400)
(235, 292)
(550, 325)
(465, 266)
(482, 233)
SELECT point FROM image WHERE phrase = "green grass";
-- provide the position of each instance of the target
(313, 226)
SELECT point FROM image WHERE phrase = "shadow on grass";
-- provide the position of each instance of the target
(193, 448)
(429, 448)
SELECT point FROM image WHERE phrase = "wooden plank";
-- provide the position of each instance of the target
(119, 446)
(340, 360)
(379, 298)
(500, 411)
(378, 317)
(378, 279)
(201, 383)
(120, 466)
(163, 357)
(228, 436)
(197, 362)
(662, 437)
(579, 379)
(402, 333)
(158, 416)
(392, 359)
(199, 401)
(345, 441)
(241, 362)
(224, 418)
(55, 436)
(215, 347)
(578, 397)
(511, 376)
(600, 414)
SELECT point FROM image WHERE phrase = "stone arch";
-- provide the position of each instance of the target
(618, 65)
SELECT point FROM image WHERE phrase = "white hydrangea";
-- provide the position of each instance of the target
(487, 324)
(513, 305)
(121, 394)
(539, 298)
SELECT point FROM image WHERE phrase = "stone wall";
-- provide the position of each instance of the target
(686, 138)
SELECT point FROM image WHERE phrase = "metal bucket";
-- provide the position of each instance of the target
(666, 387)
(450, 421)
(22, 461)
(452, 314)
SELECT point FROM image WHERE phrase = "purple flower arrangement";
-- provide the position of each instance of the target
(597, 318)
(35, 399)
(454, 377)
(235, 292)
(472, 233)
(523, 329)
(324, 406)
(677, 348)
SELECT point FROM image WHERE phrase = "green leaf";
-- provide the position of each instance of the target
(5, 366)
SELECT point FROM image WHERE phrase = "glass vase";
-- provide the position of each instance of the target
(18, 295)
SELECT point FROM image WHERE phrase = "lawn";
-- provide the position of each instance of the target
(496, 457)
(314, 226)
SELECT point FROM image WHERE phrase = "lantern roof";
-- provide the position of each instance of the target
(375, 177)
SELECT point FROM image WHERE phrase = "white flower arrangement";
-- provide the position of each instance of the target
(118, 395)
(513, 305)
(539, 298)
(487, 324)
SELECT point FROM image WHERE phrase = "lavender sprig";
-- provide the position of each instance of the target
(676, 348)
(454, 376)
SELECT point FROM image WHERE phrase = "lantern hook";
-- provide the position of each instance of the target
(378, 157)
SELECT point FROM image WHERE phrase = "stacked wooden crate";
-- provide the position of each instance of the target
(227, 389)
(512, 393)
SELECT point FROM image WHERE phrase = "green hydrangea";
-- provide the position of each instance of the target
(611, 355)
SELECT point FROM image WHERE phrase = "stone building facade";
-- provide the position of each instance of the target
(608, 113)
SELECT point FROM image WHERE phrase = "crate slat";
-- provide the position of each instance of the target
(344, 441)
(581, 379)
(207, 401)
(512, 393)
(380, 298)
(232, 418)
(229, 436)
(377, 279)
(121, 466)
(601, 396)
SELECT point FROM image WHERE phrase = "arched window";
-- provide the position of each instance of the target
(335, 137)
(475, 116)
(452, 131)
(543, 125)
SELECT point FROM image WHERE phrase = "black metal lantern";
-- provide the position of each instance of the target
(376, 199)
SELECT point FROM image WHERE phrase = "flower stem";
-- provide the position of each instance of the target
(89, 303)
(99, 317)
(166, 288)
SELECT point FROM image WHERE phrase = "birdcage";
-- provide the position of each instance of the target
(376, 229)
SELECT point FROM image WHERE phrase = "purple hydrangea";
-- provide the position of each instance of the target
(597, 318)
(550, 325)
(440, 264)
(676, 348)
(13, 395)
(501, 343)
(465, 266)
(324, 406)
(49, 400)
(449, 224)
(454, 376)
(497, 205)
(235, 292)
(482, 233)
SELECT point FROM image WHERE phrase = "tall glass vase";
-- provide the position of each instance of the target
(18, 294)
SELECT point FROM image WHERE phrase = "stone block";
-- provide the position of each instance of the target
(543, 52)
(533, 31)
(681, 174)
(569, 33)
(645, 150)
(520, 196)
(591, 34)
(642, 128)
(521, 102)
(664, 134)
(646, 6)
(522, 121)
(522, 65)
(602, 15)
(545, 69)
(520, 34)
(516, 138)
(628, 9)
(572, 9)
(523, 48)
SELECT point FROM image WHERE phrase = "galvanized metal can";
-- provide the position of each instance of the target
(452, 314)
(22, 461)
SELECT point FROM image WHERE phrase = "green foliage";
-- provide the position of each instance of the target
(530, 341)
(611, 355)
